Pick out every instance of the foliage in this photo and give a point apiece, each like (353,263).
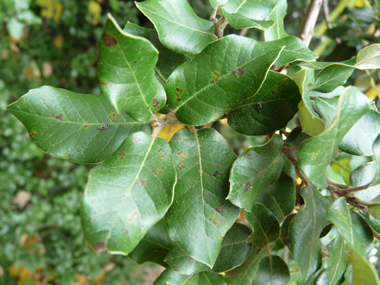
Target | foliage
(309,186)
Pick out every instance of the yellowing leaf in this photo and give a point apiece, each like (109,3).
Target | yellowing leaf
(58,41)
(373,93)
(50,9)
(94,12)
(168,131)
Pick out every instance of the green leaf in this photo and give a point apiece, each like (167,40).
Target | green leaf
(272,270)
(269,110)
(363,270)
(279,198)
(239,21)
(364,174)
(351,227)
(284,235)
(332,77)
(369,57)
(316,153)
(127,194)
(278,14)
(178,27)
(266,228)
(210,278)
(296,137)
(245,274)
(251,9)
(310,122)
(295,50)
(235,248)
(154,246)
(224,74)
(126,72)
(15,28)
(170,276)
(333,274)
(256,168)
(304,232)
(167,60)
(327,107)
(79,127)
(200,216)
(375,210)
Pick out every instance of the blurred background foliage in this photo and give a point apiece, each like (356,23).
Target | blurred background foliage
(53,42)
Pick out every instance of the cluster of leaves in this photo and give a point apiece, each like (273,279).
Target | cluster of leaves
(177,203)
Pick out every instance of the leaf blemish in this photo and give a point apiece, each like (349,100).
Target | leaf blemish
(155,103)
(104,127)
(143,182)
(181,166)
(178,98)
(136,139)
(238,71)
(32,134)
(247,186)
(105,83)
(182,154)
(112,117)
(122,155)
(109,40)
(155,172)
(161,149)
(179,90)
(216,75)
(85,126)
(253,117)
(217,173)
(59,117)
(259,107)
(219,209)
(134,217)
(99,246)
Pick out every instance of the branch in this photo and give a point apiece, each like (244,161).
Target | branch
(220,24)
(288,152)
(160,123)
(309,21)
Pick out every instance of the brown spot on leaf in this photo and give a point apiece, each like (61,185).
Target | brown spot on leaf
(143,182)
(247,186)
(104,127)
(181,166)
(99,246)
(135,61)
(136,139)
(122,155)
(178,98)
(105,83)
(272,91)
(155,172)
(213,220)
(59,117)
(253,117)
(259,107)
(85,126)
(219,209)
(216,77)
(182,153)
(238,71)
(155,103)
(161,149)
(217,173)
(112,117)
(32,134)
(179,90)
(109,40)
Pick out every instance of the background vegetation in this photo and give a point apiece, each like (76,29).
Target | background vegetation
(46,42)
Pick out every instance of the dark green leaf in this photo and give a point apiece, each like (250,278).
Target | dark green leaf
(305,230)
(278,14)
(266,228)
(239,21)
(332,275)
(200,215)
(154,246)
(332,77)
(363,270)
(126,72)
(375,210)
(167,60)
(235,248)
(272,271)
(311,124)
(178,27)
(210,278)
(245,274)
(295,50)
(351,227)
(279,198)
(251,9)
(296,137)
(284,236)
(128,193)
(256,168)
(79,127)
(169,276)
(316,153)
(269,110)
(327,107)
(224,74)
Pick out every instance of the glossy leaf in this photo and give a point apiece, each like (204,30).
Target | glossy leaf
(224,74)
(333,274)
(304,232)
(310,122)
(327,107)
(126,72)
(369,57)
(316,153)
(269,110)
(266,228)
(200,215)
(73,126)
(279,198)
(332,77)
(154,246)
(128,193)
(272,271)
(239,21)
(351,227)
(295,50)
(278,14)
(235,248)
(375,210)
(284,235)
(251,9)
(167,60)
(178,27)
(170,276)
(245,274)
(363,270)
(256,168)
(211,278)
(364,174)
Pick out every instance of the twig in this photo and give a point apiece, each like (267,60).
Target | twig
(309,21)
(288,152)
(220,24)
(268,250)
(243,32)
(326,13)
(375,233)
(160,123)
